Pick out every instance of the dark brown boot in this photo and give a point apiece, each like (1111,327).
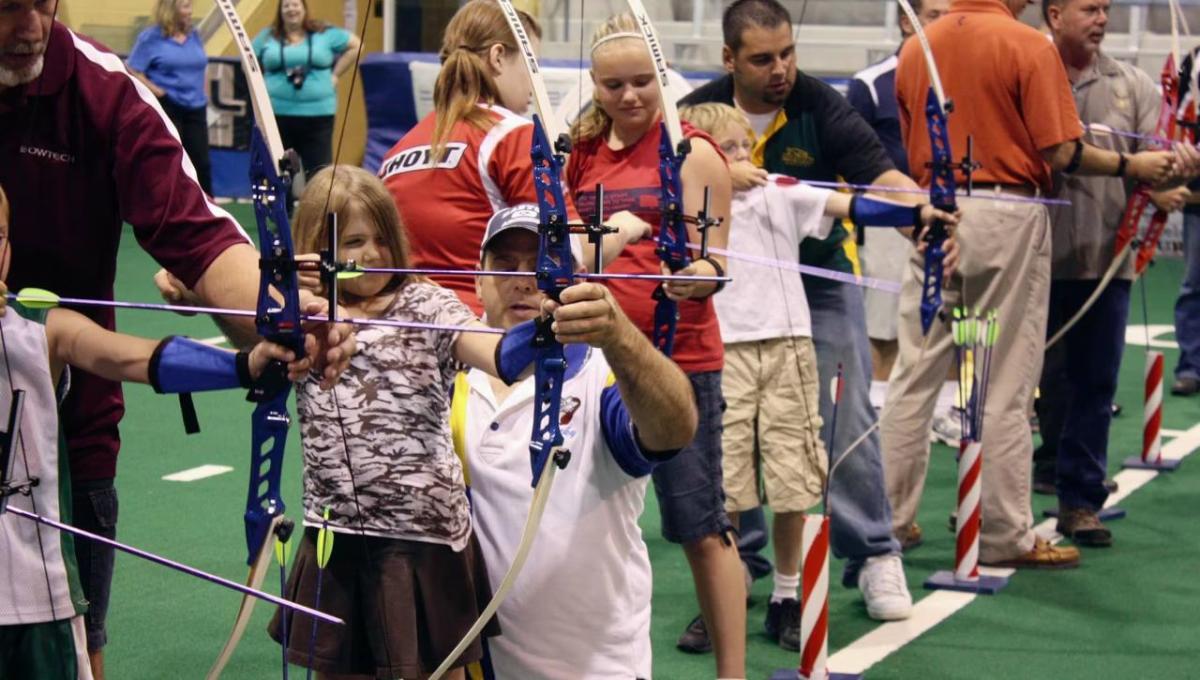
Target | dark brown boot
(1083,527)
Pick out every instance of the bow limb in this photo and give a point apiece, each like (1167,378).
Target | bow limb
(935,79)
(541,100)
(259,566)
(1118,260)
(264,113)
(662,76)
(532,522)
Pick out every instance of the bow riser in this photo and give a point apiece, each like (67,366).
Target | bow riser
(672,248)
(1165,129)
(1170,95)
(1135,208)
(555,272)
(942,191)
(1149,247)
(278,322)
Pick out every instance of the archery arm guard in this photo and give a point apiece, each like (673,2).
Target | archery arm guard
(181,365)
(516,351)
(518,347)
(872,212)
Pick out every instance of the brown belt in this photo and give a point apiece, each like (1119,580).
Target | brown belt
(1026,190)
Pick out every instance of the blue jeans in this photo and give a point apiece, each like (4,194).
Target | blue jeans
(861,524)
(1187,307)
(1079,380)
(94,509)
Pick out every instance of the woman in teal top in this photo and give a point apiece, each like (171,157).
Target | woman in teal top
(302,58)
(169,58)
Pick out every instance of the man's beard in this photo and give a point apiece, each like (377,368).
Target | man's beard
(11,78)
(14,77)
(773,99)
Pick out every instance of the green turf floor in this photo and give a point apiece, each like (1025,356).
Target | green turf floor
(1129,612)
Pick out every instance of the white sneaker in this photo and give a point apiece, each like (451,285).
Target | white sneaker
(947,427)
(884,589)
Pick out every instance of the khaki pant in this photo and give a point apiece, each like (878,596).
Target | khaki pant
(1004,264)
(770,389)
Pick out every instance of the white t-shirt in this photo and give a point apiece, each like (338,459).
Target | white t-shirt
(25,595)
(759,121)
(768,223)
(581,606)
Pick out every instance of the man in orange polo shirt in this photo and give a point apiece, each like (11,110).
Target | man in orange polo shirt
(1012,95)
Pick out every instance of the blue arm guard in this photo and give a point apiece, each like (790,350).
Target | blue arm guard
(872,212)
(516,350)
(181,365)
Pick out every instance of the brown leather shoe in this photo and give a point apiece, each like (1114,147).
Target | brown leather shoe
(1043,556)
(1083,527)
(910,537)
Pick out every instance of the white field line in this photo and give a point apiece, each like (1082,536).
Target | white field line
(938,606)
(197,473)
(215,341)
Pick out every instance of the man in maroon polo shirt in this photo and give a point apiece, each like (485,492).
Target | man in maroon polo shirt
(84,148)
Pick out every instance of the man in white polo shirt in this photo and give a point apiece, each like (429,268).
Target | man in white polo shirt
(581,606)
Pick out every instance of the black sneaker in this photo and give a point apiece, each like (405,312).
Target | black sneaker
(695,639)
(783,623)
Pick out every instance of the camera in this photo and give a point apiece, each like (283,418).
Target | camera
(296,76)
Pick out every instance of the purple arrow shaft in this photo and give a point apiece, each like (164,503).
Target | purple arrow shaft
(177,566)
(191,309)
(984,194)
(592,277)
(832,274)
(392,323)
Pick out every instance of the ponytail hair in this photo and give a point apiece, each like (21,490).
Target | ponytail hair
(465,79)
(595,122)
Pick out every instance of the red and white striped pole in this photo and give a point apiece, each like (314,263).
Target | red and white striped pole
(1152,410)
(966,528)
(814,598)
(1151,457)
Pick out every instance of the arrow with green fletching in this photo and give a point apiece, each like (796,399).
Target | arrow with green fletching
(324,550)
(39,298)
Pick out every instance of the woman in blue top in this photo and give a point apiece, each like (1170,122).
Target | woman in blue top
(169,58)
(302,58)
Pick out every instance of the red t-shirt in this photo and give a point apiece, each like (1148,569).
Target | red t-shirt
(84,148)
(445,208)
(630,179)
